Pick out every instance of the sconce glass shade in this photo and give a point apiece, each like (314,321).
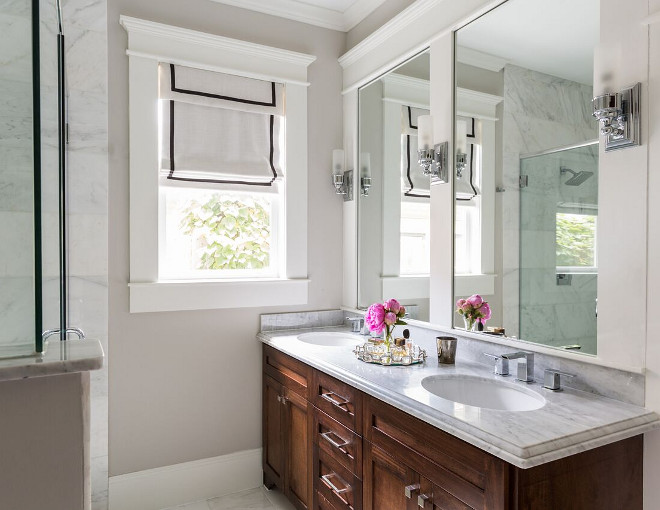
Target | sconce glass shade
(338,162)
(424,132)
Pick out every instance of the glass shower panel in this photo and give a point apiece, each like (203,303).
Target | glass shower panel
(558,247)
(18,285)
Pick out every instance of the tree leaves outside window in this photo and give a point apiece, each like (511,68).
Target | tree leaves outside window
(229,232)
(576,240)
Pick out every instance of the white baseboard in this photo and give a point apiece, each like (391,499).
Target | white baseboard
(155,489)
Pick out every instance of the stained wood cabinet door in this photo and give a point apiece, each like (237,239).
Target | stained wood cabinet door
(297,418)
(388,484)
(273,433)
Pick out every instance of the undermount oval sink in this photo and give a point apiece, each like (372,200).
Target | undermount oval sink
(329,339)
(482,392)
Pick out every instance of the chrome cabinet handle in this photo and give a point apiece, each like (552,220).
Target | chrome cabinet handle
(338,401)
(410,489)
(282,399)
(422,499)
(333,487)
(326,436)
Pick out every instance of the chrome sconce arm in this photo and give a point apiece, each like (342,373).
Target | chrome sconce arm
(434,162)
(619,117)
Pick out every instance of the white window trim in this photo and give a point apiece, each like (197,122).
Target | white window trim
(148,44)
(471,103)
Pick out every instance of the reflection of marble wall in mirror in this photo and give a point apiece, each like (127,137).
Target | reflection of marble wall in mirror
(393,225)
(546,84)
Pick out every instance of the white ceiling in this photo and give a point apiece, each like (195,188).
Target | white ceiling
(556,38)
(335,14)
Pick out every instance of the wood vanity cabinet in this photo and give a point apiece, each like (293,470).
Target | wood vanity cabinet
(356,452)
(287,421)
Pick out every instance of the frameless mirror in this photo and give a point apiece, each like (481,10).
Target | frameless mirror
(526,172)
(394,213)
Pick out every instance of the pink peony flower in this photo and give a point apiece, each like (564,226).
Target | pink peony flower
(374,318)
(460,303)
(390,318)
(475,300)
(402,311)
(485,312)
(467,306)
(392,305)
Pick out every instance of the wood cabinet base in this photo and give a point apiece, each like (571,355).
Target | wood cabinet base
(328,446)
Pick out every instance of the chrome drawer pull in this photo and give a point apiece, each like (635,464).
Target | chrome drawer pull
(410,489)
(422,499)
(338,401)
(326,436)
(333,487)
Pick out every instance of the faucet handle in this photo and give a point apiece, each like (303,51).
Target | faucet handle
(501,364)
(552,379)
(357,323)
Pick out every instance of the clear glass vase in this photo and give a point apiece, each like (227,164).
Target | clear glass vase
(470,324)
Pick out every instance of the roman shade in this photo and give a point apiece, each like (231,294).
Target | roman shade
(219,130)
(414,183)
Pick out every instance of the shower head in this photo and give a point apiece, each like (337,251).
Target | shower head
(578,177)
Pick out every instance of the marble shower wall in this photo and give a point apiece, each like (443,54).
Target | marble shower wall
(540,112)
(16,177)
(85,29)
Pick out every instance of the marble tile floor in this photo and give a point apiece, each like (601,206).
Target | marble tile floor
(253,499)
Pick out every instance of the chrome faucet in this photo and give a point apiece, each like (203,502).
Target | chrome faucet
(76,331)
(357,325)
(525,371)
(501,364)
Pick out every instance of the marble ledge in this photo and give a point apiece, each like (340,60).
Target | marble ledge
(571,421)
(60,358)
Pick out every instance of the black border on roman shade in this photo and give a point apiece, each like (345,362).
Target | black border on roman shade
(411,192)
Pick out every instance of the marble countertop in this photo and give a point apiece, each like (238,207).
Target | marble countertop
(570,422)
(59,358)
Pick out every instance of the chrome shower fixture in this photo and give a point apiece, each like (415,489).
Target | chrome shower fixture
(619,117)
(578,177)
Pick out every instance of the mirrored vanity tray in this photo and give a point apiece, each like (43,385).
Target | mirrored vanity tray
(376,354)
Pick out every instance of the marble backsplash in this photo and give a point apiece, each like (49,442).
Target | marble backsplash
(597,379)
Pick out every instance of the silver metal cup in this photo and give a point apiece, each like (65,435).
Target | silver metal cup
(446,349)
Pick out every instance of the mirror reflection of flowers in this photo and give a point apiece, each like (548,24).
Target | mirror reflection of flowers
(384,316)
(474,310)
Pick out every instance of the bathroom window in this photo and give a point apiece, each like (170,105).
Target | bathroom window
(221,176)
(415,235)
(218,215)
(576,242)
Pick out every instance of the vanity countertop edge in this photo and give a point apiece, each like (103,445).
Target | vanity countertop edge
(59,358)
(493,438)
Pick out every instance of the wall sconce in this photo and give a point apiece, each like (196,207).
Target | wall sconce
(365,173)
(342,179)
(461,147)
(432,158)
(619,117)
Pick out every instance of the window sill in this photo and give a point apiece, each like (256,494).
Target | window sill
(171,296)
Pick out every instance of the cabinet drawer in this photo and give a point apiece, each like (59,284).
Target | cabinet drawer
(322,503)
(341,488)
(338,400)
(471,476)
(288,371)
(338,442)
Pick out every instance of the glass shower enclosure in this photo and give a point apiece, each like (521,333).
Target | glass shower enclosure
(558,247)
(32,175)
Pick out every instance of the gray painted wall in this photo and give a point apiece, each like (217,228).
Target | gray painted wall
(375,20)
(187,385)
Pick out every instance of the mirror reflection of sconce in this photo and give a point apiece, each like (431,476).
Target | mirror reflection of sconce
(365,173)
(461,148)
(341,179)
(619,117)
(432,158)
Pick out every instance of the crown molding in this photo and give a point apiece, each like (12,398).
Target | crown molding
(216,42)
(404,19)
(310,14)
(479,59)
